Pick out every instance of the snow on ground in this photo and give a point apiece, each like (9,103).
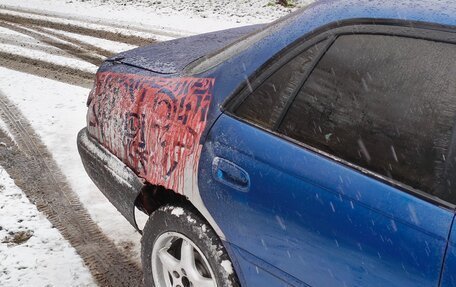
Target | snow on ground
(238,10)
(56,112)
(32,252)
(179,16)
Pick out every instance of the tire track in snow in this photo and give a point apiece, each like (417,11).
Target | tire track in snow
(86,46)
(28,43)
(74,50)
(171,33)
(34,170)
(46,69)
(98,33)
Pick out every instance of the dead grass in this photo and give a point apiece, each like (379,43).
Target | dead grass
(17,238)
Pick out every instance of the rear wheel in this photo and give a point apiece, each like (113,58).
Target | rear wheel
(179,249)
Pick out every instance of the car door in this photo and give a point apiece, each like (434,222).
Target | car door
(334,170)
(449,268)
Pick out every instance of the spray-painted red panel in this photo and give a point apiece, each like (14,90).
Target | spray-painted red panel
(154,125)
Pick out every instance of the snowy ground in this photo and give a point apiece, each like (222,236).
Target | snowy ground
(187,15)
(32,252)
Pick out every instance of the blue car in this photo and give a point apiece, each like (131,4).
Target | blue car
(318,150)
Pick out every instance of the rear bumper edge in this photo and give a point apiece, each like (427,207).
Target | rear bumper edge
(115,180)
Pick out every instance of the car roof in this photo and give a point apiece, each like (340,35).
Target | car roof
(281,33)
(442,12)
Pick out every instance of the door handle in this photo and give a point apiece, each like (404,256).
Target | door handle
(230,174)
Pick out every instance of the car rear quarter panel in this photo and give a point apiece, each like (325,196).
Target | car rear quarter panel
(153,124)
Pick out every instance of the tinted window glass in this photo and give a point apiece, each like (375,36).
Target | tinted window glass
(383,103)
(265,105)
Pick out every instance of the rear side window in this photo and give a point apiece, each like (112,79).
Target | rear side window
(384,103)
(265,105)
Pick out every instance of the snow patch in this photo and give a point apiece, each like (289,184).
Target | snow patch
(227,266)
(191,220)
(177,211)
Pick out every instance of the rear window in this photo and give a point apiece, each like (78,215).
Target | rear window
(207,62)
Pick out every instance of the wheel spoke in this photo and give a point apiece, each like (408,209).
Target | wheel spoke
(187,256)
(203,282)
(189,264)
(170,263)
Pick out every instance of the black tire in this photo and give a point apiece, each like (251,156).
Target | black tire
(185,221)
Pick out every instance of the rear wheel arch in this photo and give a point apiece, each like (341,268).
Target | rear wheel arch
(152,197)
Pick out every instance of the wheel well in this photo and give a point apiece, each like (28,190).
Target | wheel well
(152,197)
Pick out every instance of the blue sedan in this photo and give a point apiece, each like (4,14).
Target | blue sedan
(318,150)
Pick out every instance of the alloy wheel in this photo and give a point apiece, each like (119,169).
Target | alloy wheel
(178,262)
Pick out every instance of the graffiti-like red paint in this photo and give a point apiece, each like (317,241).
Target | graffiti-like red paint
(154,125)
